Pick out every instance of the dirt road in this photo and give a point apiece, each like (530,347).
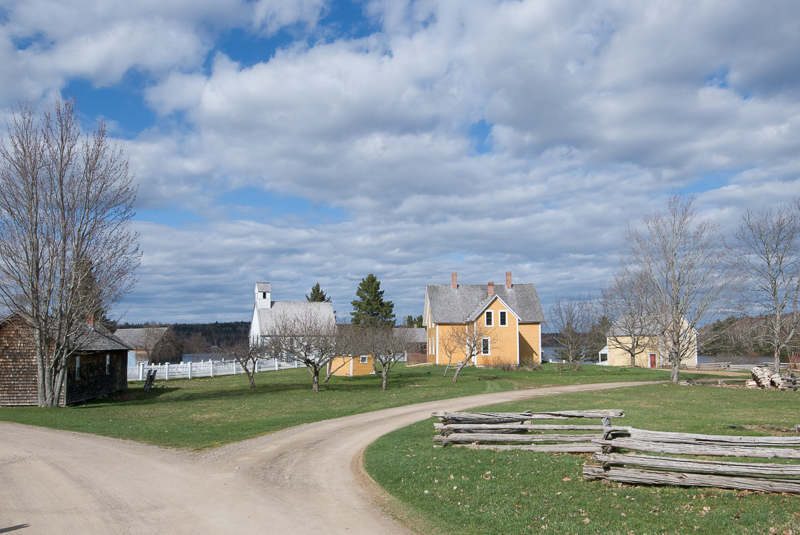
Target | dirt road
(303,480)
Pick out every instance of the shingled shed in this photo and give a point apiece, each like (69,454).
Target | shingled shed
(97,368)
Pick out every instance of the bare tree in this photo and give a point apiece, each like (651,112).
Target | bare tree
(625,303)
(686,272)
(572,320)
(245,354)
(467,341)
(767,248)
(306,337)
(386,344)
(66,248)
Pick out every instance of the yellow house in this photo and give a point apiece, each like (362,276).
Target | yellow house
(352,366)
(652,349)
(504,322)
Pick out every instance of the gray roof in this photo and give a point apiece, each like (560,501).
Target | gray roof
(143,338)
(322,312)
(415,334)
(458,305)
(262,287)
(100,339)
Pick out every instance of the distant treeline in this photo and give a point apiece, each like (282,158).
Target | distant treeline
(213,334)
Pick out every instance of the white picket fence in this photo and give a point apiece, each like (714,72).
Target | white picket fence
(209,368)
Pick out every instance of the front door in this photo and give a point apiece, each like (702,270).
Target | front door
(652,360)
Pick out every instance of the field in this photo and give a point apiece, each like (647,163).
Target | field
(203,413)
(459,491)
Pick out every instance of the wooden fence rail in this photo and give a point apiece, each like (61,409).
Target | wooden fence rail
(652,470)
(503,431)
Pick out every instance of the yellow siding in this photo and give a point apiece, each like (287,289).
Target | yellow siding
(355,362)
(617,356)
(503,346)
(530,339)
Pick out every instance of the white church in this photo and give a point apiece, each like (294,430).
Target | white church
(266,312)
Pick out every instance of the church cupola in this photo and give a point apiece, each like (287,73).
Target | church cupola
(263,296)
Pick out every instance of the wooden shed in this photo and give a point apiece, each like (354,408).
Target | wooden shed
(97,368)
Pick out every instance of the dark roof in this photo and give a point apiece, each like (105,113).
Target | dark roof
(88,338)
(458,305)
(98,338)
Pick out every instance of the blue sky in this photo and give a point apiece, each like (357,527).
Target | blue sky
(304,141)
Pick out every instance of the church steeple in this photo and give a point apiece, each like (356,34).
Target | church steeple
(263,295)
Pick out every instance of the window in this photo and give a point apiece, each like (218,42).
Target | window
(503,318)
(108,364)
(77,368)
(485,346)
(364,359)
(489,319)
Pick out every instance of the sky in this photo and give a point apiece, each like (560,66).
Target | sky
(304,141)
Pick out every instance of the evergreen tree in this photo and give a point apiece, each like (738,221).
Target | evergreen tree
(411,321)
(317,295)
(370,308)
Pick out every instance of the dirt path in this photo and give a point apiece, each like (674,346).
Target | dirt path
(303,480)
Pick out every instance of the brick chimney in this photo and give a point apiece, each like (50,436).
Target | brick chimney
(90,320)
(454,280)
(491,289)
(508,280)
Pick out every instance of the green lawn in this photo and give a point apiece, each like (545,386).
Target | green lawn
(203,413)
(459,491)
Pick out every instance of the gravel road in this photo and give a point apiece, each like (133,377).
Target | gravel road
(303,480)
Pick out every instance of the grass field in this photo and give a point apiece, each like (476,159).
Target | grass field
(203,413)
(459,491)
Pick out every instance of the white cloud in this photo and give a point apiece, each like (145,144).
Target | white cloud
(597,111)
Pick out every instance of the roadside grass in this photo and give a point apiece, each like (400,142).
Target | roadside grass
(459,491)
(197,414)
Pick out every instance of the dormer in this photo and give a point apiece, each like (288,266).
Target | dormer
(263,295)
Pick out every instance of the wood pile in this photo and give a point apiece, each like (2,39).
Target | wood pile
(766,378)
(634,468)
(522,431)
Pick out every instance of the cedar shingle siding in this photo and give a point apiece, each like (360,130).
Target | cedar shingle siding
(18,368)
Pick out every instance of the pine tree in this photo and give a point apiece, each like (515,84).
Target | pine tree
(317,295)
(370,308)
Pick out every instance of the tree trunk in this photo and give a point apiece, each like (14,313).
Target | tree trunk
(777,359)
(315,381)
(676,366)
(384,374)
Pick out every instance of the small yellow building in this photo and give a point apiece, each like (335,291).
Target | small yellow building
(352,366)
(651,351)
(507,318)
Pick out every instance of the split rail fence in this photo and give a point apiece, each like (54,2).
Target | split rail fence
(210,368)
(651,470)
(523,431)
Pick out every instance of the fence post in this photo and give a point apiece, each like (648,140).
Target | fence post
(234,367)
(211,366)
(276,364)
(190,370)
(141,371)
(166,373)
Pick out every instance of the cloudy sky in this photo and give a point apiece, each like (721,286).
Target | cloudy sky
(296,141)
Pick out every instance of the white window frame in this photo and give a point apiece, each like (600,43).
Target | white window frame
(363,359)
(486,346)
(502,318)
(108,364)
(488,318)
(77,368)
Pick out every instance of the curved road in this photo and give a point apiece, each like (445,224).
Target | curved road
(303,480)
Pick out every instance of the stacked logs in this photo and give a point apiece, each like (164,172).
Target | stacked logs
(522,431)
(652,470)
(765,378)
